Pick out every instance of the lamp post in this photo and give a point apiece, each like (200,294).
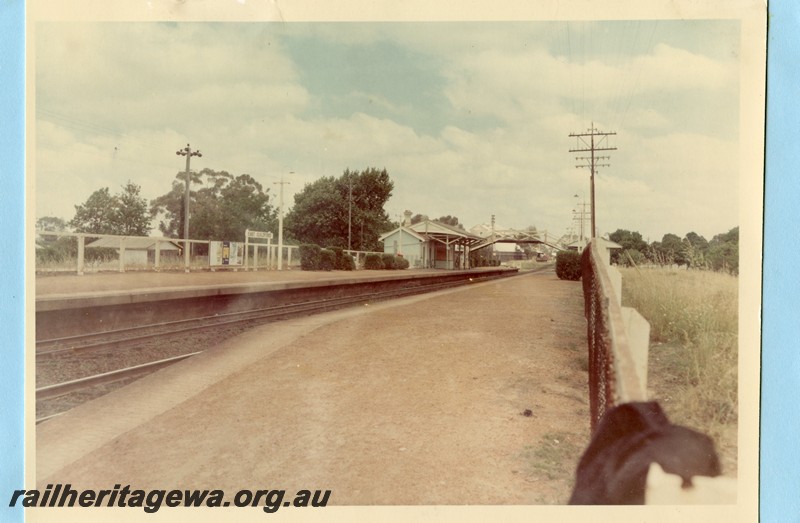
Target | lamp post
(350,211)
(188,153)
(280,223)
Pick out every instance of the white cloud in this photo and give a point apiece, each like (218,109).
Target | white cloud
(234,93)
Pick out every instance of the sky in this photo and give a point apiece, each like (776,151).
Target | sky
(470,119)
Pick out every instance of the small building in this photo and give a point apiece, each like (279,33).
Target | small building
(430,244)
(137,250)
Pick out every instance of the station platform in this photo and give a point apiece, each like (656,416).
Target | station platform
(470,396)
(106,282)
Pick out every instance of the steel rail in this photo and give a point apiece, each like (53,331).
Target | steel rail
(61,389)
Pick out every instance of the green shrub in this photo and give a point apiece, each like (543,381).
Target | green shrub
(339,257)
(327,260)
(389,261)
(568,265)
(400,262)
(373,261)
(310,256)
(348,263)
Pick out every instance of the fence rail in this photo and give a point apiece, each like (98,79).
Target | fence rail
(618,336)
(154,253)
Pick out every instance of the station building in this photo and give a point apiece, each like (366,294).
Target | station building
(430,244)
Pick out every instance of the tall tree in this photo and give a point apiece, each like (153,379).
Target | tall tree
(695,250)
(222,209)
(672,249)
(328,211)
(131,215)
(723,251)
(105,213)
(96,214)
(630,241)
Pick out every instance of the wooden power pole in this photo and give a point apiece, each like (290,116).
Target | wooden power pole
(588,144)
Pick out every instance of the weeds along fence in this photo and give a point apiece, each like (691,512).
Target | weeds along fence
(79,253)
(618,336)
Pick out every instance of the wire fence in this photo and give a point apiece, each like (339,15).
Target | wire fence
(618,337)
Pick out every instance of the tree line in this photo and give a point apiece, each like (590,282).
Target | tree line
(721,253)
(345,211)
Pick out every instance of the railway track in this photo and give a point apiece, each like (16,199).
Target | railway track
(75,369)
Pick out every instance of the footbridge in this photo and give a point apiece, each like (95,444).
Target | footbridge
(516,236)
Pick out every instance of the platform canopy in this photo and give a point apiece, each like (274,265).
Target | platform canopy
(444,233)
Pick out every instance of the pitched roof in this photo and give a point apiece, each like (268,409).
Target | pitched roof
(433,227)
(406,230)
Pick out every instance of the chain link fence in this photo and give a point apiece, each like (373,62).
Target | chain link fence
(618,337)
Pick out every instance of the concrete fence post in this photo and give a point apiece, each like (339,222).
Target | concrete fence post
(122,254)
(80,254)
(638,330)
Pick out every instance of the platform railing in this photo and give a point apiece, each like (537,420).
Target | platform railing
(618,337)
(161,254)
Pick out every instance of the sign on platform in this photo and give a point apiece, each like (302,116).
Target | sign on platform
(258,234)
(225,253)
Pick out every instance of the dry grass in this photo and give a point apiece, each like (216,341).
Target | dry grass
(693,317)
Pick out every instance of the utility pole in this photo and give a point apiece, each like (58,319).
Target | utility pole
(592,146)
(188,153)
(280,223)
(580,216)
(350,212)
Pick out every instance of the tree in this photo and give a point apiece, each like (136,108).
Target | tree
(96,214)
(131,216)
(122,214)
(222,209)
(695,250)
(630,241)
(51,224)
(671,250)
(450,220)
(320,212)
(723,251)
(50,247)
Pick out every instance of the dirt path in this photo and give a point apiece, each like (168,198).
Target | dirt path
(419,401)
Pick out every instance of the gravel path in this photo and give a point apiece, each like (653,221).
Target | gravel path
(470,396)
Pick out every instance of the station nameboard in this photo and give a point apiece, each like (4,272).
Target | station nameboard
(258,234)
